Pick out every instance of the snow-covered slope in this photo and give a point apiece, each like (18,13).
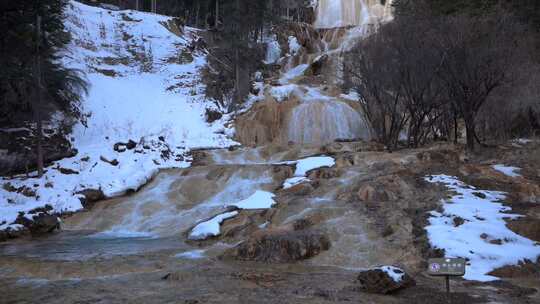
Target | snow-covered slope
(145,87)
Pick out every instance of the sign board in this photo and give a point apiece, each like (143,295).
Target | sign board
(446,267)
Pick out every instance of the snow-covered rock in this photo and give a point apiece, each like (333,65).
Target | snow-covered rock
(384,279)
(211,227)
(303,166)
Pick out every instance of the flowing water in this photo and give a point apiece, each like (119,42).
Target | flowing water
(325,121)
(146,232)
(334,14)
(323,117)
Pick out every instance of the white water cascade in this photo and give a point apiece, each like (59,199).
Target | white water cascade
(325,121)
(324,117)
(345,13)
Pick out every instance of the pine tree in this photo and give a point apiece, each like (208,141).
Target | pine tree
(33,82)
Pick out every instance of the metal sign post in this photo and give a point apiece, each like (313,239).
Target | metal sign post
(447,267)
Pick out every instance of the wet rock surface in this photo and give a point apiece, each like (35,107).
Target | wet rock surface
(280,246)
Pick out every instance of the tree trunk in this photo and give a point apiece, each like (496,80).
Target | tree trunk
(217,15)
(469,127)
(197,14)
(37,99)
(237,77)
(237,61)
(455,129)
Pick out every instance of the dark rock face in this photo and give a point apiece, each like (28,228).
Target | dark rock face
(383,280)
(280,246)
(42,222)
(316,66)
(17,153)
(90,197)
(212,115)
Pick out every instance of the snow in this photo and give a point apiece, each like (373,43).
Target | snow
(303,166)
(307,164)
(258,200)
(138,91)
(211,227)
(478,238)
(507,170)
(523,141)
(393,272)
(284,92)
(191,255)
(293,181)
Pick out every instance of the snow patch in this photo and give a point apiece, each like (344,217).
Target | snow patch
(258,200)
(307,164)
(211,227)
(393,272)
(507,170)
(483,237)
(284,92)
(303,166)
(293,181)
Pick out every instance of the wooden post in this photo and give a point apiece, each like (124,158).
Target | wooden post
(37,98)
(136,5)
(448,288)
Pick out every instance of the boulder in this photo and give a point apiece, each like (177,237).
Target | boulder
(384,280)
(41,223)
(131,144)
(90,197)
(212,115)
(119,147)
(278,246)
